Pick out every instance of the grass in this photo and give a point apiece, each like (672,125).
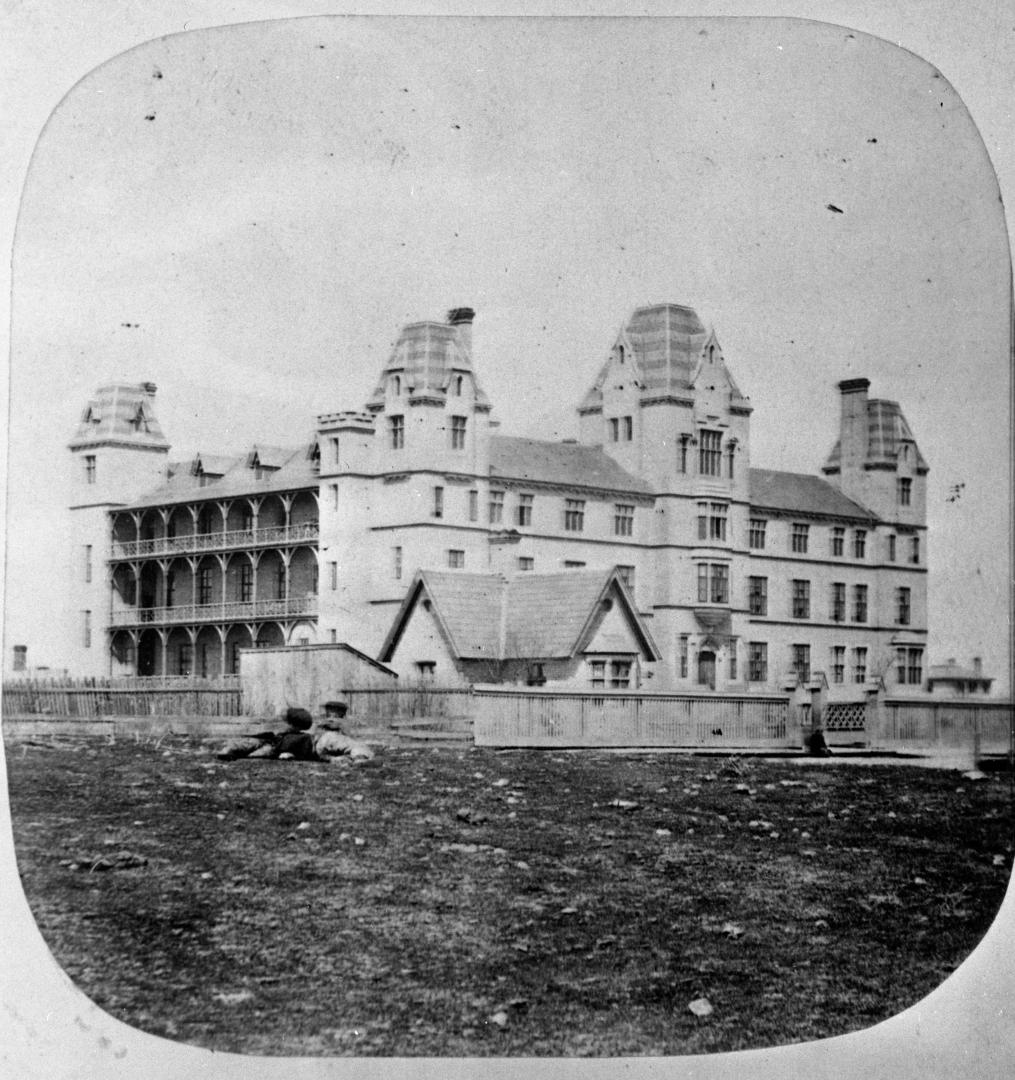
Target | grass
(469,902)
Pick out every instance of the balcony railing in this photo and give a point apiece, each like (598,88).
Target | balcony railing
(230,611)
(274,536)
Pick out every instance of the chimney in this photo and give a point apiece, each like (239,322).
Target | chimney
(149,388)
(461,318)
(853,436)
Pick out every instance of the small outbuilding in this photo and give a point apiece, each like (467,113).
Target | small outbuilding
(953,680)
(579,629)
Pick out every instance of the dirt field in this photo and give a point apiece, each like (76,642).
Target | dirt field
(447,902)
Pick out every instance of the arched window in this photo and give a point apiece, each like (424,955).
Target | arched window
(459,380)
(396,385)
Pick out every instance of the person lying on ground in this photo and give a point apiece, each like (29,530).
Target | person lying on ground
(332,742)
(293,744)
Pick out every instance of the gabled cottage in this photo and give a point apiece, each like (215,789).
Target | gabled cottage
(576,628)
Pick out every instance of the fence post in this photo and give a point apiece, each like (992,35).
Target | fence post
(872,726)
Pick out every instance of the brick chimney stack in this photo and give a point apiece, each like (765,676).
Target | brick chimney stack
(461,318)
(853,424)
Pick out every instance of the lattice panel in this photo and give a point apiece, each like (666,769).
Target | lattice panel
(846,716)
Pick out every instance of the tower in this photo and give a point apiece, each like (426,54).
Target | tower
(667,408)
(117,453)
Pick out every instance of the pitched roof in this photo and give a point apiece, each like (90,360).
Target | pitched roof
(121,412)
(953,671)
(803,494)
(238,478)
(667,342)
(425,356)
(886,431)
(530,616)
(566,464)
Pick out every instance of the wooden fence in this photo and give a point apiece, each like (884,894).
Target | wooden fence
(979,726)
(96,698)
(549,718)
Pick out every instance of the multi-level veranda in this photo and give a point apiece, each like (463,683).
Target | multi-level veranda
(196,582)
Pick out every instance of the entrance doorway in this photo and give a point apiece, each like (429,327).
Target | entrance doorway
(706,669)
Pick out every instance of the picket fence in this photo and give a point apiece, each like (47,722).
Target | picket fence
(133,697)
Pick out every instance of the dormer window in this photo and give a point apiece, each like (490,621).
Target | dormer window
(620,354)
(458,383)
(139,422)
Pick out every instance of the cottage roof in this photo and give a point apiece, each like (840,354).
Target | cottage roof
(121,413)
(887,433)
(803,494)
(426,357)
(955,672)
(530,616)
(564,464)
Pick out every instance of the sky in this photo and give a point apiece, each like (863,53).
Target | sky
(247,215)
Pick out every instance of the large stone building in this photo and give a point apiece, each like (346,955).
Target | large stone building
(696,569)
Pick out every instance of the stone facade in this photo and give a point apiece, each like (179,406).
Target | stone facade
(744,578)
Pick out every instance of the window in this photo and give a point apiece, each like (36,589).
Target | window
(614,429)
(859,603)
(458,383)
(473,505)
(838,611)
(838,541)
(204,585)
(756,534)
(733,662)
(280,581)
(802,662)
(458,432)
(682,453)
(574,515)
(20,657)
(334,497)
(496,507)
(859,543)
(902,606)
(682,650)
(185,658)
(597,673)
(757,661)
(712,521)
(438,502)
(914,549)
(333,575)
(838,663)
(170,588)
(202,659)
(526,562)
(891,548)
(396,563)
(914,667)
(396,385)
(88,562)
(573,564)
(333,637)
(620,674)
(713,583)
(86,629)
(623,519)
(525,510)
(335,456)
(757,595)
(246,582)
(628,423)
(730,450)
(234,658)
(535,675)
(859,665)
(396,432)
(904,488)
(801,599)
(456,559)
(710,453)
(626,575)
(798,538)
(90,469)
(425,670)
